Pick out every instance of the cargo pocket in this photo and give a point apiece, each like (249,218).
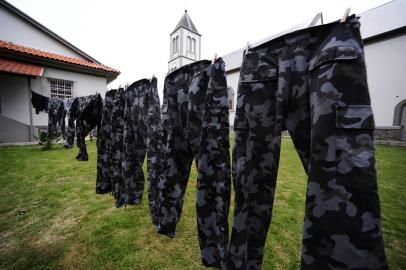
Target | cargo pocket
(258,67)
(332,55)
(354,143)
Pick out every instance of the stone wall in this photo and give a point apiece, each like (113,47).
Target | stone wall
(388,133)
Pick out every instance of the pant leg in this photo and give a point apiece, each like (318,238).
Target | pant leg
(70,131)
(116,149)
(103,178)
(80,140)
(342,227)
(52,119)
(154,149)
(62,122)
(257,128)
(213,183)
(177,154)
(134,146)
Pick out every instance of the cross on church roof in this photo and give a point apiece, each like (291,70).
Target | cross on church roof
(186,23)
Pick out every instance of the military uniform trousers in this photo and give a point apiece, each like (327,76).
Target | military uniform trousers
(130,130)
(104,139)
(312,83)
(89,116)
(141,138)
(196,127)
(56,118)
(71,109)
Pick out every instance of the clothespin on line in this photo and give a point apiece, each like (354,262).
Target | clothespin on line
(215,57)
(346,13)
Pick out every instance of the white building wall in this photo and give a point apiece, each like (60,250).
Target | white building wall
(14,97)
(183,56)
(232,81)
(386,69)
(17,30)
(83,85)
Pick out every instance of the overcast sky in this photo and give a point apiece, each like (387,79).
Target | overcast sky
(133,36)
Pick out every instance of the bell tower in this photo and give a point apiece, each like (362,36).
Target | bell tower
(185,46)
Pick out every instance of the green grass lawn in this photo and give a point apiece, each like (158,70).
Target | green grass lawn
(51,218)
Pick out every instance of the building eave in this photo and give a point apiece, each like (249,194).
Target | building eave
(50,33)
(110,76)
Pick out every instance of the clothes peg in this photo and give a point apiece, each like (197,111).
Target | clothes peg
(247,48)
(346,13)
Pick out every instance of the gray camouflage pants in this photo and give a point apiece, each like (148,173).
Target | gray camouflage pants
(104,139)
(56,118)
(71,110)
(130,129)
(141,137)
(195,127)
(313,84)
(89,116)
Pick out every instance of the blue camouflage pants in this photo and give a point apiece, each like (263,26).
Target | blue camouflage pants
(312,83)
(56,118)
(130,130)
(195,127)
(89,116)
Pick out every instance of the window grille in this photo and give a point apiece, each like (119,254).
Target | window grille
(60,88)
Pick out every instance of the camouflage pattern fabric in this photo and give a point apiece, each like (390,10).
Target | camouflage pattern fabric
(56,119)
(134,142)
(89,116)
(71,111)
(141,137)
(104,139)
(195,127)
(312,83)
(116,148)
(152,112)
(130,130)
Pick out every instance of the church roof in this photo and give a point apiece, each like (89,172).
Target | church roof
(186,23)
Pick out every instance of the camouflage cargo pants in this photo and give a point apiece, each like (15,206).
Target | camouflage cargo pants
(56,119)
(104,139)
(312,83)
(141,137)
(71,109)
(152,111)
(115,151)
(89,116)
(195,127)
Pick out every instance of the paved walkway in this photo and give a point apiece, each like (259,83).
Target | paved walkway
(392,143)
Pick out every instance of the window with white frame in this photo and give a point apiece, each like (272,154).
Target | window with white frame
(60,88)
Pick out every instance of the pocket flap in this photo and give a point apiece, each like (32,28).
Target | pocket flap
(255,69)
(332,54)
(355,117)
(240,121)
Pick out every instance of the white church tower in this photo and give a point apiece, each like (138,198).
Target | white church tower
(185,44)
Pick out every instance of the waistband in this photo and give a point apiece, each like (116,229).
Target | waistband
(189,68)
(137,83)
(111,93)
(307,35)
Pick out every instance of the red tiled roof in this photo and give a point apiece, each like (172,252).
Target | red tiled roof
(30,51)
(20,68)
